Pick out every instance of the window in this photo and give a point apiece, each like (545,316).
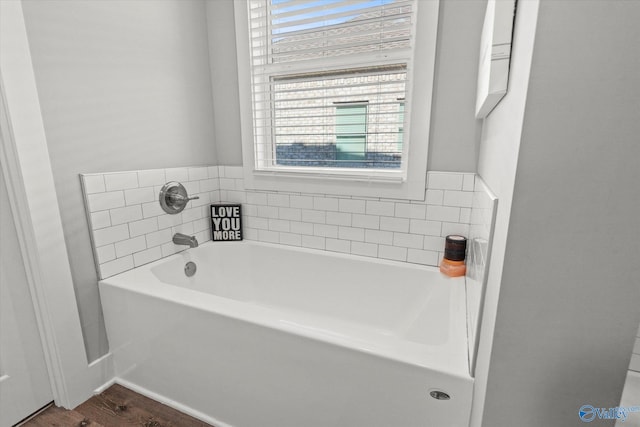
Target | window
(324,80)
(351,134)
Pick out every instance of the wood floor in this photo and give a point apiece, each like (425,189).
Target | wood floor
(115,407)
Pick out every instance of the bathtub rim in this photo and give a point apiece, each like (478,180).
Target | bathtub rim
(450,358)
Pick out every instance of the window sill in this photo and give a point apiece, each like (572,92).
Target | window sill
(391,184)
(365,175)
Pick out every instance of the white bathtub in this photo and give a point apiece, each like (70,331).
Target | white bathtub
(271,336)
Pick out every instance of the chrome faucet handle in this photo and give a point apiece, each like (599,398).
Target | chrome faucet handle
(177,197)
(174,198)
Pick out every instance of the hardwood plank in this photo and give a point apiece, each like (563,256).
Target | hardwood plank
(60,417)
(160,410)
(118,406)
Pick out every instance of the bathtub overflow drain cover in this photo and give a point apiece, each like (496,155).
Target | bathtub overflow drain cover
(440,395)
(190,268)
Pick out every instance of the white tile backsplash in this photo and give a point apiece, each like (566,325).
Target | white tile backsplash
(106,253)
(434,197)
(105,236)
(380,208)
(279,225)
(100,219)
(151,177)
(443,213)
(351,233)
(129,228)
(408,240)
(339,218)
(394,253)
(196,174)
(275,199)
(324,230)
(325,203)
(445,181)
(121,181)
(365,221)
(378,236)
(410,210)
(394,224)
(290,239)
(104,201)
(158,238)
(411,231)
(301,202)
(468,182)
(268,236)
(124,215)
(267,211)
(458,198)
(364,249)
(142,227)
(147,256)
(168,221)
(176,174)
(420,226)
(94,184)
(130,246)
(352,206)
(313,242)
(301,227)
(480,227)
(310,215)
(337,245)
(418,256)
(116,266)
(136,196)
(291,214)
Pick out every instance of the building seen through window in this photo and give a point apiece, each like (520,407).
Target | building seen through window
(329,82)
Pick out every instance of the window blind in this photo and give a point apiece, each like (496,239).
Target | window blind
(317,65)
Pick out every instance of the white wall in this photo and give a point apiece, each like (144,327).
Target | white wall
(455,132)
(497,166)
(224,81)
(563,326)
(123,85)
(635,357)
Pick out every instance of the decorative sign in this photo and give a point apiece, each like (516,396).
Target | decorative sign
(226,223)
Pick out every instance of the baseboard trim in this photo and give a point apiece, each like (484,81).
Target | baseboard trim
(171,403)
(104,386)
(102,373)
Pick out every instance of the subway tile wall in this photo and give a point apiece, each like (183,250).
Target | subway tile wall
(129,228)
(375,227)
(483,211)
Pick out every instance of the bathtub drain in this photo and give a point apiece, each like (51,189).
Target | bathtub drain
(440,395)
(190,268)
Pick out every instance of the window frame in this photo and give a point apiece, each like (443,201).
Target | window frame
(407,183)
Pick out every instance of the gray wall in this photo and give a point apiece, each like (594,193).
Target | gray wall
(123,85)
(455,133)
(224,81)
(497,165)
(568,311)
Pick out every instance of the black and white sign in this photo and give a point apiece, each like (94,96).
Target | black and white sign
(226,223)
